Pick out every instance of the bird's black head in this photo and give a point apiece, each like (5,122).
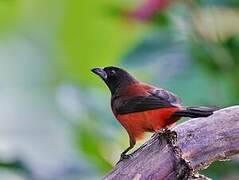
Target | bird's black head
(114,77)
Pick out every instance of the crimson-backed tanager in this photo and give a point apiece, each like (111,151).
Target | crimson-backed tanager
(141,108)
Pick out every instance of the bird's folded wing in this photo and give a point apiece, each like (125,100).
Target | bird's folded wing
(156,98)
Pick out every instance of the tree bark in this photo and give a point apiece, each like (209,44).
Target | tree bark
(197,144)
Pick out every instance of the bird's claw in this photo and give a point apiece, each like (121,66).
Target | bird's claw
(123,157)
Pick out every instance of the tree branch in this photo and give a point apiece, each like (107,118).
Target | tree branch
(199,142)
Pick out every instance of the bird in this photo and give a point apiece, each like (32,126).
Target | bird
(141,108)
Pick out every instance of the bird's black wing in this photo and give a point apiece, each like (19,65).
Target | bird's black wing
(155,99)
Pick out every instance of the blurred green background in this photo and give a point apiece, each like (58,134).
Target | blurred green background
(55,114)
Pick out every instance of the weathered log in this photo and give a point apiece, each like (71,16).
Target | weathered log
(199,142)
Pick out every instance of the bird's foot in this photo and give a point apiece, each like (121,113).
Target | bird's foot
(123,157)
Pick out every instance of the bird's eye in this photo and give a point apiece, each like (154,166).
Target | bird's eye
(112,72)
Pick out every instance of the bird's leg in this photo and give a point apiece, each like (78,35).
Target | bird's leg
(131,145)
(123,154)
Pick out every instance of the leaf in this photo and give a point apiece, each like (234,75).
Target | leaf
(8,14)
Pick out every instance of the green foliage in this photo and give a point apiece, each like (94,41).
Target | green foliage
(8,14)
(91,143)
(221,169)
(229,3)
(91,37)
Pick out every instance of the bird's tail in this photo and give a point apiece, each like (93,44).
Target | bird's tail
(195,112)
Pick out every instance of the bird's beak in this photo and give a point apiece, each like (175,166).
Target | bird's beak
(100,72)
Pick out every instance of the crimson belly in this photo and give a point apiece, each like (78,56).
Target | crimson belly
(147,121)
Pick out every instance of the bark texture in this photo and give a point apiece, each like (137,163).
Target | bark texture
(180,155)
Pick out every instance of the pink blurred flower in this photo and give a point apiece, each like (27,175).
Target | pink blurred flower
(148,9)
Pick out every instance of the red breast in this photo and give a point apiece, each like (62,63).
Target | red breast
(147,121)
